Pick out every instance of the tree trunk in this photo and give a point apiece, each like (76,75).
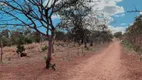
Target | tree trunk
(91,43)
(53,39)
(1,51)
(53,47)
(48,60)
(85,43)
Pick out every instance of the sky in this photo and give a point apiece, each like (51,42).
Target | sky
(118,19)
(117,13)
(125,19)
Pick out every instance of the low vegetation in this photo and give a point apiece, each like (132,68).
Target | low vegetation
(133,36)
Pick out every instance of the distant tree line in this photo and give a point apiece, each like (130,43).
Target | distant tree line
(27,36)
(91,37)
(118,34)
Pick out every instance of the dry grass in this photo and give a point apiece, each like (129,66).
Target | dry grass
(60,48)
(32,67)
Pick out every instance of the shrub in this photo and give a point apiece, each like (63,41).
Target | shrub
(127,44)
(28,40)
(44,48)
(20,45)
(20,49)
(52,66)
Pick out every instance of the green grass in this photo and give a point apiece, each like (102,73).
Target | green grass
(131,47)
(127,45)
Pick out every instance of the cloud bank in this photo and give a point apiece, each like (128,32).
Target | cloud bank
(109,8)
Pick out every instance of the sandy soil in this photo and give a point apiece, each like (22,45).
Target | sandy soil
(104,66)
(133,62)
(111,63)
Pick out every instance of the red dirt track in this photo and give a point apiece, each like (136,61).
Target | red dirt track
(112,63)
(105,66)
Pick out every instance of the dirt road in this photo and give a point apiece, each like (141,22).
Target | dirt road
(104,66)
(112,63)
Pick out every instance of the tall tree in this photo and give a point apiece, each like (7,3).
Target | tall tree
(74,17)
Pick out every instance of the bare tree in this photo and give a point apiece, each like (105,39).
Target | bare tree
(35,14)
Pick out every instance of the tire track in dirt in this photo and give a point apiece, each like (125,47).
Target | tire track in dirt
(104,66)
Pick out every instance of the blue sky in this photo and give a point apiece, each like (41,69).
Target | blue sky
(127,18)
(116,12)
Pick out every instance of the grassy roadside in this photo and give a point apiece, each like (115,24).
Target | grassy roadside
(132,49)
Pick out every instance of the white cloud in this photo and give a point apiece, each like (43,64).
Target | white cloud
(119,15)
(48,3)
(2,4)
(141,13)
(108,8)
(116,29)
(55,17)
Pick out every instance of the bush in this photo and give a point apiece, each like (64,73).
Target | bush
(20,45)
(5,41)
(20,49)
(127,44)
(118,34)
(28,40)
(132,47)
(44,48)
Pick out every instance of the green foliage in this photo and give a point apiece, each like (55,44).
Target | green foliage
(20,49)
(5,41)
(101,37)
(118,34)
(20,45)
(45,58)
(133,35)
(127,44)
(35,37)
(44,48)
(28,40)
(61,36)
(26,36)
(52,66)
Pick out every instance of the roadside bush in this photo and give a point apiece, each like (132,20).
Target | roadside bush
(127,44)
(130,46)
